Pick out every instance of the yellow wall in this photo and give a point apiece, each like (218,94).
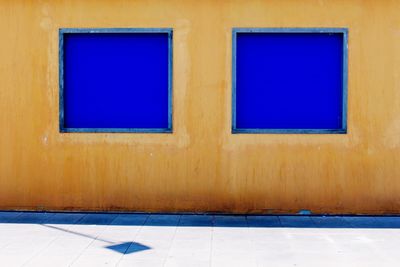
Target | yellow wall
(201,166)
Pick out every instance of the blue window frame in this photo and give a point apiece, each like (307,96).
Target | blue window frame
(289,80)
(115,80)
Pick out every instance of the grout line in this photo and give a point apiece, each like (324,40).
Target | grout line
(172,241)
(279,220)
(8,222)
(45,246)
(17,215)
(40,251)
(84,216)
(46,215)
(51,242)
(94,239)
(252,243)
(212,239)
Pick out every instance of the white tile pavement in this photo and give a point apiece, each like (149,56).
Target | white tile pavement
(98,239)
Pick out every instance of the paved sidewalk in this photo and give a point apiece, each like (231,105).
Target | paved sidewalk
(90,239)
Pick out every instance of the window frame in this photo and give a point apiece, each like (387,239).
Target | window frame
(343,31)
(64,31)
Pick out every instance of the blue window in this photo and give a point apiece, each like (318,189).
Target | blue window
(116,80)
(289,80)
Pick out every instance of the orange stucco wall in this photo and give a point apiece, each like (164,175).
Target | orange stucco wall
(201,166)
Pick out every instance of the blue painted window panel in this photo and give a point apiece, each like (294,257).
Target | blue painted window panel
(289,80)
(116,80)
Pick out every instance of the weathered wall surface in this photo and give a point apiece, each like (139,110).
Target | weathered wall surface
(201,166)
